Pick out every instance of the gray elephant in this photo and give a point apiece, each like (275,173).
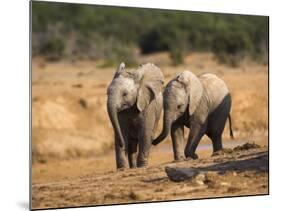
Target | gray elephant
(134,106)
(200,103)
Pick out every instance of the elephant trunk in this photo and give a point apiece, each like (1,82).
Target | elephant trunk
(113,115)
(165,131)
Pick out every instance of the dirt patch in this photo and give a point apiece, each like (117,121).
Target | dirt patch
(52,115)
(247,146)
(243,172)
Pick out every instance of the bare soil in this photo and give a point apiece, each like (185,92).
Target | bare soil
(242,171)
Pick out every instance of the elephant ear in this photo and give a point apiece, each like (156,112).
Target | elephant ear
(151,81)
(119,69)
(194,87)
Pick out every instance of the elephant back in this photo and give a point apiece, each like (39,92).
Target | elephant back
(215,88)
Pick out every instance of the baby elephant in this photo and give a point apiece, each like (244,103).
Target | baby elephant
(200,103)
(134,106)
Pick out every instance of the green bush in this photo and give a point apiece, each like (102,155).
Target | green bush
(231,46)
(176,55)
(115,52)
(94,31)
(53,49)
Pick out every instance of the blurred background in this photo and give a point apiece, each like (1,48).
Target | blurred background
(75,52)
(73,31)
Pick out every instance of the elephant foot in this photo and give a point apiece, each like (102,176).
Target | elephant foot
(222,152)
(133,166)
(217,153)
(191,157)
(121,169)
(121,166)
(188,159)
(179,159)
(142,163)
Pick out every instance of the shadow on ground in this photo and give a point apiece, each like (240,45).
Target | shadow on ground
(258,163)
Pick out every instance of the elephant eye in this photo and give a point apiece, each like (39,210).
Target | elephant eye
(125,94)
(179,106)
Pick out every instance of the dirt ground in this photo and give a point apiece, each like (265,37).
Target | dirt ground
(241,172)
(73,160)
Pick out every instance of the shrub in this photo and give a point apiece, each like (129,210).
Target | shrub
(115,52)
(231,46)
(53,49)
(87,32)
(176,55)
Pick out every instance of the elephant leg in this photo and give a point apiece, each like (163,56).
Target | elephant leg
(195,134)
(177,133)
(217,143)
(144,147)
(217,125)
(145,137)
(119,155)
(132,153)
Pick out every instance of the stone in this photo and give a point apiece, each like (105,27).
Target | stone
(200,179)
(225,184)
(180,174)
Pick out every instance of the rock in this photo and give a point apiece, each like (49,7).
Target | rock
(225,184)
(77,86)
(200,179)
(180,174)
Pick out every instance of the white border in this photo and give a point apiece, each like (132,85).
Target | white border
(14,110)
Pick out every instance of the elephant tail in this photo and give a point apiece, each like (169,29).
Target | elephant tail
(230,127)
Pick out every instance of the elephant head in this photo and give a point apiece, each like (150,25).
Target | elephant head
(182,94)
(133,87)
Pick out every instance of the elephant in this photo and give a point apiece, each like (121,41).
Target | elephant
(202,104)
(134,105)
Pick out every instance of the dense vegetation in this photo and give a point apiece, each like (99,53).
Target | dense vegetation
(62,30)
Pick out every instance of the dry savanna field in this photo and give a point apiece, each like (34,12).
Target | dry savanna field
(73,161)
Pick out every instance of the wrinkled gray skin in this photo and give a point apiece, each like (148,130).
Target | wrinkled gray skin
(200,103)
(134,106)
